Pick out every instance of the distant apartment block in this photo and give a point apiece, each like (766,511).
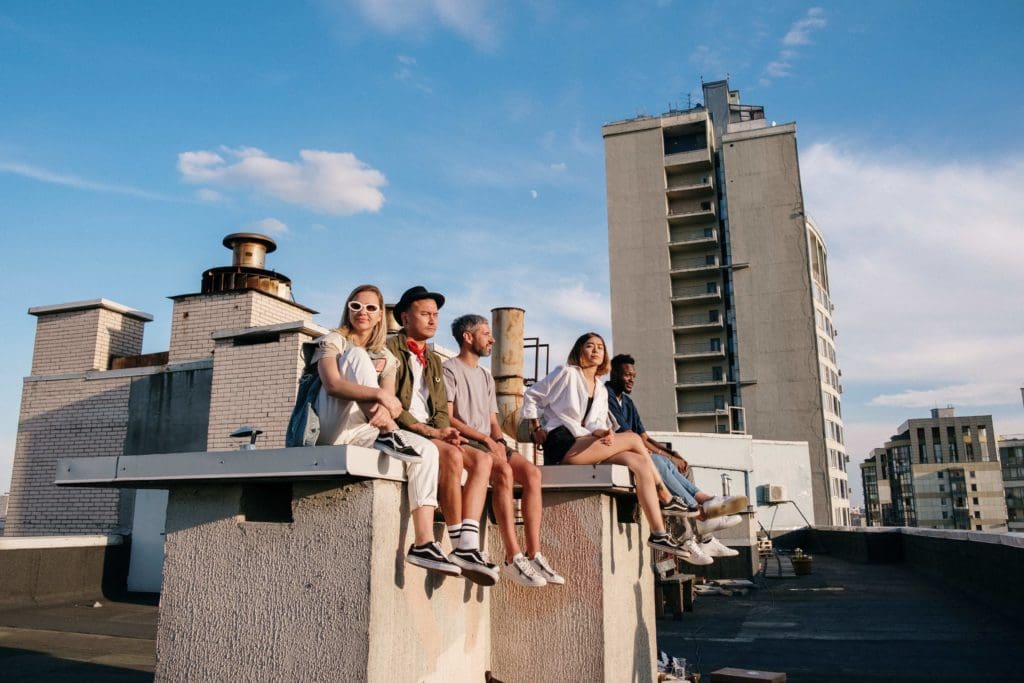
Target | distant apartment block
(940,472)
(719,283)
(234,358)
(1011,456)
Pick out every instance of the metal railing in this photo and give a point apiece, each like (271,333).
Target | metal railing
(694,263)
(708,319)
(706,347)
(694,290)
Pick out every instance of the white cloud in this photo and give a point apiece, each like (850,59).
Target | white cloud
(559,167)
(208,195)
(67,180)
(800,32)
(533,193)
(972,394)
(471,19)
(407,60)
(329,182)
(924,264)
(269,226)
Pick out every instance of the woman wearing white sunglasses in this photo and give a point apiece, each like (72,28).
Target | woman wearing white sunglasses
(357,406)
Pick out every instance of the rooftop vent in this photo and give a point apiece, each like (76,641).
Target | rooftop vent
(247,270)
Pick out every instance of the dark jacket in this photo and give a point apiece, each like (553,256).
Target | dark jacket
(432,375)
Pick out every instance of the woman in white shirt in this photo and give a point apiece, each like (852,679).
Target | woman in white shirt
(568,416)
(357,405)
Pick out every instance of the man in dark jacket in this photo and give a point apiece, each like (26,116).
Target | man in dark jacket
(420,388)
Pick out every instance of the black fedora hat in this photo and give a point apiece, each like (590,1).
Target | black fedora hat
(415,294)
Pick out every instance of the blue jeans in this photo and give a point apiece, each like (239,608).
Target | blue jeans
(677,484)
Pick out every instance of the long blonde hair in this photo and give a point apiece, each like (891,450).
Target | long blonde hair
(380,331)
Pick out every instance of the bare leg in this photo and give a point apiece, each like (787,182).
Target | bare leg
(528,476)
(588,451)
(478,472)
(501,501)
(449,481)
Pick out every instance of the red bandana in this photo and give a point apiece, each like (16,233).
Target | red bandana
(420,351)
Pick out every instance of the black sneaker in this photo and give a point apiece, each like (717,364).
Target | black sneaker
(676,507)
(667,544)
(431,557)
(475,567)
(391,443)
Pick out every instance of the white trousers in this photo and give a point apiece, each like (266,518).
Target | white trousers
(343,422)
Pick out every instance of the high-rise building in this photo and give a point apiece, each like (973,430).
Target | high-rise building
(939,472)
(1011,456)
(719,283)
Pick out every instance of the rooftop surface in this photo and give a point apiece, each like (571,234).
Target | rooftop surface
(845,622)
(848,622)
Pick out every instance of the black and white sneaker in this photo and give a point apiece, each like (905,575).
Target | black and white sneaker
(540,563)
(667,544)
(676,507)
(475,567)
(431,557)
(391,443)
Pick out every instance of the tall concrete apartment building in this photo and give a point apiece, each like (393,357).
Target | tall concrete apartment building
(719,283)
(1011,456)
(234,359)
(940,472)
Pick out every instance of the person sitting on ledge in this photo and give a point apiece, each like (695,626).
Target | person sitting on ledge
(473,406)
(357,405)
(568,417)
(420,389)
(713,512)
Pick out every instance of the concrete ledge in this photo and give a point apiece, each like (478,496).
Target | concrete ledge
(27,542)
(39,571)
(88,304)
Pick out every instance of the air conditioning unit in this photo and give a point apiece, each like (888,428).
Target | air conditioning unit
(774,493)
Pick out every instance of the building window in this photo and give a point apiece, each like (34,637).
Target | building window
(942,487)
(975,501)
(977,514)
(974,487)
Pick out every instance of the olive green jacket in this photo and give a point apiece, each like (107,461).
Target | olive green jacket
(432,375)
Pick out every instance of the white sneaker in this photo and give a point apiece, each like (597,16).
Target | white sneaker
(724,505)
(712,547)
(692,553)
(706,527)
(522,572)
(540,563)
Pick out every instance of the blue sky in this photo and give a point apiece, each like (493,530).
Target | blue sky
(133,136)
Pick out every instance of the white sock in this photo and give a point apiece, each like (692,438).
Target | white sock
(469,539)
(454,532)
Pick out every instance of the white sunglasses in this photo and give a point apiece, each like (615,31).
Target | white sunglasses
(356,306)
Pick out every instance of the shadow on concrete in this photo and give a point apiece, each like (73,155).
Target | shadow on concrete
(19,665)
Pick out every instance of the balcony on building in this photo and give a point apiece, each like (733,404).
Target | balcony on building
(703,378)
(686,186)
(685,239)
(696,214)
(689,294)
(687,148)
(711,348)
(712,320)
(694,409)
(694,265)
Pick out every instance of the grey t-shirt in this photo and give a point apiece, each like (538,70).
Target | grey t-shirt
(472,392)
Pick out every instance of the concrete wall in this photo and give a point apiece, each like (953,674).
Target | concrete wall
(639,265)
(317,598)
(777,348)
(608,598)
(986,566)
(39,571)
(751,464)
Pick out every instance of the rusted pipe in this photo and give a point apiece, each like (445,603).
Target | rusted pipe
(507,325)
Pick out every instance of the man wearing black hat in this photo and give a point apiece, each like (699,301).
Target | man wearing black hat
(420,388)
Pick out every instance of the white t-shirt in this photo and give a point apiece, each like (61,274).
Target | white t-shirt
(419,403)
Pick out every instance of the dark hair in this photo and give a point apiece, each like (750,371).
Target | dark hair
(466,323)
(577,350)
(622,359)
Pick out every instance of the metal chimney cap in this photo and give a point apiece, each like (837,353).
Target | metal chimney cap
(254,237)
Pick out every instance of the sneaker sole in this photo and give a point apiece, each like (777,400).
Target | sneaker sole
(695,561)
(475,574)
(446,568)
(526,584)
(721,554)
(730,507)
